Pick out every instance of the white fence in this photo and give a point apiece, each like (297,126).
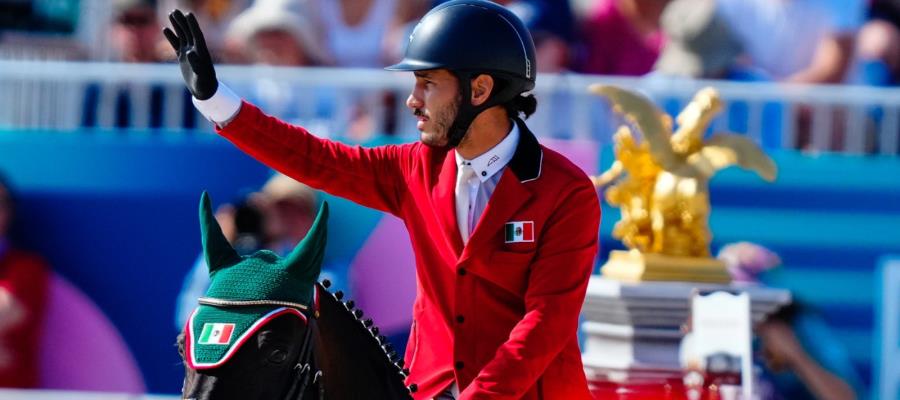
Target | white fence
(351,102)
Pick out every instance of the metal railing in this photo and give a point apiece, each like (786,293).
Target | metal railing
(69,96)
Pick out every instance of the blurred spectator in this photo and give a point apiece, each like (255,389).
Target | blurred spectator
(215,16)
(135,35)
(622,37)
(288,208)
(367,34)
(878,45)
(135,32)
(281,214)
(802,358)
(700,44)
(277,32)
(802,41)
(747,261)
(282,33)
(356,32)
(23,291)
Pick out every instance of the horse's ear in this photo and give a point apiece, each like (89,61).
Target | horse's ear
(216,248)
(306,259)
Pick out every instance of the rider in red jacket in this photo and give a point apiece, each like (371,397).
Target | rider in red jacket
(504,230)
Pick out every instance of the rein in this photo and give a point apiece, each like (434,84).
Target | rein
(304,364)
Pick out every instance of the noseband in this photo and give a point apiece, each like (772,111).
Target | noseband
(305,369)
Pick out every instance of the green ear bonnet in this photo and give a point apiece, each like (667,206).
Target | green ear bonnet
(246,292)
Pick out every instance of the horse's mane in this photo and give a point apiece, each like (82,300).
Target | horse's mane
(356,360)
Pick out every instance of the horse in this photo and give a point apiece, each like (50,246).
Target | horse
(266,329)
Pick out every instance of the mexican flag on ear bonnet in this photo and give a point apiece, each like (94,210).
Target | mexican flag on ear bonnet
(231,311)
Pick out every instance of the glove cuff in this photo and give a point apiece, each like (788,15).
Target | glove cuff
(222,107)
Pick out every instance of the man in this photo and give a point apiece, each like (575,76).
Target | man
(622,37)
(504,230)
(796,41)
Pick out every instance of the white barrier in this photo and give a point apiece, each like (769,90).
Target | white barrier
(51,95)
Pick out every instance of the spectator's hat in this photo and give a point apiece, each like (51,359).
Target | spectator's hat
(292,16)
(282,188)
(699,41)
(247,292)
(747,261)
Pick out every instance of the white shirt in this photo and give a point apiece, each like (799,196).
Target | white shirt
(476,180)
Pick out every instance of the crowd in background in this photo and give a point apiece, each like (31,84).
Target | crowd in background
(806,41)
(792,41)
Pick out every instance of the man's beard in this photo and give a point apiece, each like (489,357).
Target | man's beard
(442,123)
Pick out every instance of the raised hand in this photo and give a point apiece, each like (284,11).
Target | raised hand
(193,56)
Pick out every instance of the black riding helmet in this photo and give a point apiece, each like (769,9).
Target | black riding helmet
(469,38)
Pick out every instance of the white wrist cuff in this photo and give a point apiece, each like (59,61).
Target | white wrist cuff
(221,107)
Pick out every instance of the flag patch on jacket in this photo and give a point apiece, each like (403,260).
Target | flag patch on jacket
(216,333)
(519,231)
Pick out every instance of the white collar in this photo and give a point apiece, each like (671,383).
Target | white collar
(493,160)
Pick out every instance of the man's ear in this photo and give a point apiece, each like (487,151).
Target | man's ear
(482,87)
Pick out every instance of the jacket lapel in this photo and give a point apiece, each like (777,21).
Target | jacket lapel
(511,192)
(444,198)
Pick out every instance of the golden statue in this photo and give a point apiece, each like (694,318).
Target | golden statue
(661,185)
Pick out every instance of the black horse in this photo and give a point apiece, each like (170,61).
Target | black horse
(320,348)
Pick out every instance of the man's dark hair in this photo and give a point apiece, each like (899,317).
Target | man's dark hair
(518,105)
(521,105)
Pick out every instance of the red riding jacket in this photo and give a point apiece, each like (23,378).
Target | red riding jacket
(498,318)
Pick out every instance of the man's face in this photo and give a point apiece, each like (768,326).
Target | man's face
(286,219)
(435,101)
(135,33)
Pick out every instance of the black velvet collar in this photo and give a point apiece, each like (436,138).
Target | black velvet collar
(527,160)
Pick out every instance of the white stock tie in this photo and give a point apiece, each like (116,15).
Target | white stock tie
(464,200)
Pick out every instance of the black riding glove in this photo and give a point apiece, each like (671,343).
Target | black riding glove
(196,63)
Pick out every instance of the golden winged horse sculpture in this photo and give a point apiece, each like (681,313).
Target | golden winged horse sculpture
(661,182)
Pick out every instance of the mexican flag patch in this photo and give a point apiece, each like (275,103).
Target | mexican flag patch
(519,231)
(216,333)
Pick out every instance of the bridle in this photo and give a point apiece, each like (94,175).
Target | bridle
(305,370)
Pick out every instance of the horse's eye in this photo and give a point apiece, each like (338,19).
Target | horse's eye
(278,356)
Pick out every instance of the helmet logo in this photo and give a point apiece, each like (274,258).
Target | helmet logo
(527,68)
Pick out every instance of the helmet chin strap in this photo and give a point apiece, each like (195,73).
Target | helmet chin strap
(467,112)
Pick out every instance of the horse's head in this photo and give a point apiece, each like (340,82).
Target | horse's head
(252,335)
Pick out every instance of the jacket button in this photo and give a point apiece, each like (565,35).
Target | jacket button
(460,319)
(459,365)
(461,271)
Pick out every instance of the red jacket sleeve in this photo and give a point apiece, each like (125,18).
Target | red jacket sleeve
(373,177)
(553,299)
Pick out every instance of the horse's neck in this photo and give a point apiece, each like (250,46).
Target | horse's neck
(353,363)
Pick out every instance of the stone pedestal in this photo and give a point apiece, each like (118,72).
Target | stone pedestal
(633,331)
